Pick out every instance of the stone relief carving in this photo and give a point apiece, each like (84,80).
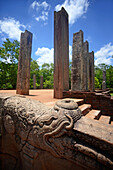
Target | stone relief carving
(35,135)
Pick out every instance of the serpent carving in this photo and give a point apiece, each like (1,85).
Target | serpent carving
(37,137)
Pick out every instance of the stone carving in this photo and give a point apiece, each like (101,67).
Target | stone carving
(61,53)
(37,137)
(23,76)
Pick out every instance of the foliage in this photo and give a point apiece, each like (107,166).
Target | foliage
(8,64)
(47,73)
(34,69)
(99,75)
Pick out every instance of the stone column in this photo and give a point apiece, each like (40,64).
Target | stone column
(85,65)
(104,80)
(91,72)
(61,53)
(77,61)
(34,81)
(41,82)
(23,76)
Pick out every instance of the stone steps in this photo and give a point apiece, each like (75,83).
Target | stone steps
(94,114)
(85,108)
(105,119)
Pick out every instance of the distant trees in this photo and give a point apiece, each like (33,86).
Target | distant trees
(9,53)
(99,75)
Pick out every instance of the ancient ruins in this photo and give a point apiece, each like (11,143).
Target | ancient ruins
(65,136)
(23,76)
(34,81)
(82,76)
(37,137)
(61,53)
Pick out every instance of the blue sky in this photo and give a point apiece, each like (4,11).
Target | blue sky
(94,17)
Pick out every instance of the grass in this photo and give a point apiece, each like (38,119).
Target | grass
(111,94)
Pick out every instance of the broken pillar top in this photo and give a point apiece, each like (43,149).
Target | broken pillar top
(62,11)
(78,36)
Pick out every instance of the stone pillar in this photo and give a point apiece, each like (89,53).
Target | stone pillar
(85,65)
(34,81)
(61,53)
(104,80)
(41,82)
(91,72)
(77,61)
(23,76)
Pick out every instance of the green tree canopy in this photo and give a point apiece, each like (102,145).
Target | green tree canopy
(9,53)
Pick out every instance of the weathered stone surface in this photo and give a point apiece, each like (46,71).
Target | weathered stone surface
(77,61)
(57,138)
(41,82)
(61,53)
(82,76)
(34,81)
(23,76)
(91,72)
(104,80)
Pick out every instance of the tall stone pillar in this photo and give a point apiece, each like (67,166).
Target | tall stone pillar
(91,72)
(77,62)
(41,82)
(104,80)
(61,53)
(34,81)
(85,65)
(23,76)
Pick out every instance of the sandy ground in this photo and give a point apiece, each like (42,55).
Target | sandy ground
(44,96)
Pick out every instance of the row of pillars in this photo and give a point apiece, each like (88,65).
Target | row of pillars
(82,76)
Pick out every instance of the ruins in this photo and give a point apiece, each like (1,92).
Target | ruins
(23,76)
(82,76)
(65,136)
(34,81)
(61,53)
(35,136)
(104,80)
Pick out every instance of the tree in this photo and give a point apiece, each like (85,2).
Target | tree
(34,69)
(9,53)
(47,72)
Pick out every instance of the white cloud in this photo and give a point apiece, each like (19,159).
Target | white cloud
(104,55)
(42,10)
(11,27)
(75,8)
(45,55)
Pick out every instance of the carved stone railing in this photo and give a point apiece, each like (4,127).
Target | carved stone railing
(37,137)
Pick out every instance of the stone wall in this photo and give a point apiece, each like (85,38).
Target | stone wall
(97,100)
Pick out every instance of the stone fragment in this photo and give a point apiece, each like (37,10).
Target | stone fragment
(23,76)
